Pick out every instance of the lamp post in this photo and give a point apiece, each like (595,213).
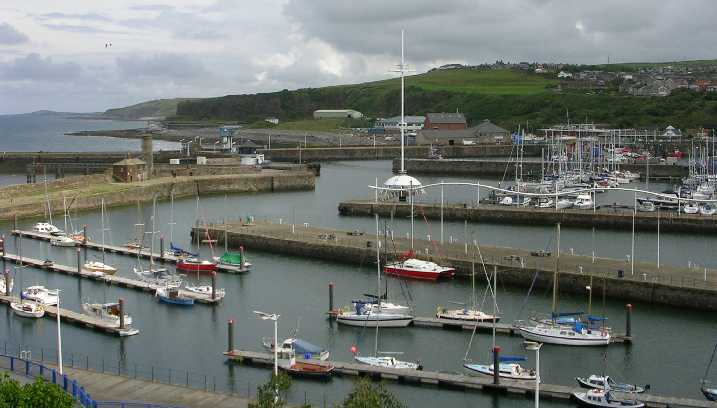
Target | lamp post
(59,334)
(275,318)
(534,346)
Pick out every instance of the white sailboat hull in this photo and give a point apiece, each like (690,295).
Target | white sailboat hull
(368,320)
(563,336)
(388,362)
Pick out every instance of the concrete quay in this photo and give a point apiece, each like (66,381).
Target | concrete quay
(465,382)
(506,168)
(608,218)
(666,285)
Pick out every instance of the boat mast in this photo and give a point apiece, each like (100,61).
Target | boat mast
(151,237)
(378,288)
(495,302)
(171,218)
(64,206)
(555,273)
(402,125)
(473,282)
(102,223)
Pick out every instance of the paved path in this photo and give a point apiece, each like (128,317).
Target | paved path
(114,388)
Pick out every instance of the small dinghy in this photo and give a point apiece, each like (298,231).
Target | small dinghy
(172,296)
(604,399)
(607,383)
(28,309)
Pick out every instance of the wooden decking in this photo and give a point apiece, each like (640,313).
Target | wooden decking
(461,381)
(108,279)
(123,250)
(79,319)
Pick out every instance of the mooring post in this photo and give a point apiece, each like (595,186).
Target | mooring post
(79,261)
(214,285)
(6,274)
(2,247)
(331,297)
(84,239)
(496,365)
(120,302)
(14,222)
(628,320)
(230,335)
(242,261)
(161,248)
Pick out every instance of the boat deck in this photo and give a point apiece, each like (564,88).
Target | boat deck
(461,381)
(108,279)
(70,316)
(123,250)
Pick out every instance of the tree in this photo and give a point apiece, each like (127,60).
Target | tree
(39,394)
(367,395)
(265,397)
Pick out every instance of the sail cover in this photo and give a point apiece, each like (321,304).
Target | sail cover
(304,347)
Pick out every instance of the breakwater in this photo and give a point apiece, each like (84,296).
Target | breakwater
(506,168)
(84,193)
(668,285)
(608,218)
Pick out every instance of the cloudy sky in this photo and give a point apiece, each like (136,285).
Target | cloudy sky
(56,55)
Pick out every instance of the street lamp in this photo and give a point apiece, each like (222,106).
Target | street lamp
(534,346)
(59,335)
(275,318)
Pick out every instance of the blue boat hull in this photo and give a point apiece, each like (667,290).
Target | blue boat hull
(175,301)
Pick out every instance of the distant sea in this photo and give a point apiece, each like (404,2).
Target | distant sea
(45,131)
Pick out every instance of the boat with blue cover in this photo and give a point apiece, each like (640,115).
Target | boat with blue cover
(299,347)
(172,296)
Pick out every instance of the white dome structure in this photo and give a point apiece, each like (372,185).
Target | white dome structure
(402,185)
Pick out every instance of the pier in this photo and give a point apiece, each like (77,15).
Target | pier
(160,257)
(79,319)
(529,168)
(460,381)
(120,281)
(607,218)
(667,285)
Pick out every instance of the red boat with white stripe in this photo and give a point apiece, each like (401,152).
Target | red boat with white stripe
(419,269)
(196,265)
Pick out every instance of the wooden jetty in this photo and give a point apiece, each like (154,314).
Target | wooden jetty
(669,285)
(79,319)
(461,381)
(108,279)
(160,257)
(605,217)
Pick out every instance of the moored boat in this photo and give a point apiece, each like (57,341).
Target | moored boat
(41,294)
(205,290)
(604,382)
(296,346)
(388,362)
(467,314)
(307,368)
(28,309)
(62,241)
(574,335)
(100,267)
(46,227)
(172,295)
(109,312)
(195,265)
(506,369)
(3,288)
(604,399)
(419,269)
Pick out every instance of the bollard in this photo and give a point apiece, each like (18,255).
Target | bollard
(79,261)
(331,297)
(84,234)
(7,282)
(120,302)
(161,248)
(214,285)
(230,335)
(628,320)
(242,262)
(496,365)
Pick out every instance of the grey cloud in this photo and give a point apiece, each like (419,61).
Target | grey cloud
(167,66)
(35,68)
(74,16)
(74,28)
(152,7)
(11,36)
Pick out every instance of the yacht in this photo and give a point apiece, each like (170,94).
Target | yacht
(41,294)
(46,227)
(584,202)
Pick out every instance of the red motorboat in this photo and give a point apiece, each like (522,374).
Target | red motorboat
(409,267)
(196,265)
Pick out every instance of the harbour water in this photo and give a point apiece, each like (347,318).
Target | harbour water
(670,349)
(34,132)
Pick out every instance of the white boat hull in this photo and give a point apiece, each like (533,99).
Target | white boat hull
(388,362)
(373,321)
(488,370)
(32,312)
(551,337)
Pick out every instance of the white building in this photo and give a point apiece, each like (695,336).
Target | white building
(413,123)
(337,114)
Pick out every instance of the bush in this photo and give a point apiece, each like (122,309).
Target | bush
(365,395)
(265,393)
(39,394)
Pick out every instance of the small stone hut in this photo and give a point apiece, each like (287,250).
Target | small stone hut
(128,170)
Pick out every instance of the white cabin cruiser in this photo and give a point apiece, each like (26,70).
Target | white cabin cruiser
(41,294)
(62,241)
(604,399)
(513,371)
(388,362)
(46,227)
(109,312)
(584,202)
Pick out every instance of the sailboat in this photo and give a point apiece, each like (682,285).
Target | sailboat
(570,332)
(194,263)
(173,249)
(234,260)
(47,227)
(709,390)
(472,313)
(109,312)
(61,239)
(155,275)
(366,314)
(136,242)
(508,366)
(100,266)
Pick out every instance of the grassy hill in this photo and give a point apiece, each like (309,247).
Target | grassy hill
(507,97)
(156,108)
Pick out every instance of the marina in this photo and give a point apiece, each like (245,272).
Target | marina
(459,381)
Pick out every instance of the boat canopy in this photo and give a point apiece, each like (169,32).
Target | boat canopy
(231,258)
(506,359)
(596,318)
(566,314)
(304,347)
(178,250)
